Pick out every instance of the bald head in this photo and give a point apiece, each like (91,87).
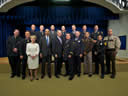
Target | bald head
(59,33)
(96,27)
(16,32)
(77,33)
(47,32)
(33,27)
(73,27)
(84,27)
(41,27)
(52,27)
(110,32)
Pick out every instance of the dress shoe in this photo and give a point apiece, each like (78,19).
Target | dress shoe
(23,77)
(102,76)
(78,75)
(112,76)
(89,75)
(57,76)
(71,77)
(12,76)
(42,76)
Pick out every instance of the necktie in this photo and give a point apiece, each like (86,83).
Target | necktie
(60,40)
(47,39)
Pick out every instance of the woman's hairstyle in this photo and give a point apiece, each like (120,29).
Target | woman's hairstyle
(33,36)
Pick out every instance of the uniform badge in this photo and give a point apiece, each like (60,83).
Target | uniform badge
(105,43)
(78,41)
(101,44)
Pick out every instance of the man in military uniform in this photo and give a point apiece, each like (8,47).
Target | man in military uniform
(76,54)
(13,46)
(67,47)
(99,52)
(23,55)
(84,30)
(112,46)
(94,36)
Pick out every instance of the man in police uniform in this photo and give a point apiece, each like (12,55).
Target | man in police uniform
(23,55)
(112,46)
(76,53)
(94,36)
(99,52)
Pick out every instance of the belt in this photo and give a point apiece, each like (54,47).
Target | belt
(112,49)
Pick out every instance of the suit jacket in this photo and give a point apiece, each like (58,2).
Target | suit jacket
(53,35)
(39,35)
(23,47)
(58,47)
(45,49)
(12,43)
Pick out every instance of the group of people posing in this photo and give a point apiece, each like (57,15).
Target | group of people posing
(61,47)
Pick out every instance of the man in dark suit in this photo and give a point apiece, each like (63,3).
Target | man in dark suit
(58,52)
(23,55)
(33,29)
(13,46)
(63,31)
(52,32)
(46,53)
(76,54)
(40,33)
(66,52)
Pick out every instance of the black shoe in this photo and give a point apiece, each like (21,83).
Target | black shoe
(18,75)
(12,76)
(96,73)
(37,78)
(60,73)
(112,76)
(23,77)
(85,73)
(107,73)
(49,76)
(42,76)
(66,75)
(57,76)
(102,76)
(71,77)
(89,75)
(78,75)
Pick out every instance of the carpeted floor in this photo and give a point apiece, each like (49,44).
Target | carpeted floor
(83,86)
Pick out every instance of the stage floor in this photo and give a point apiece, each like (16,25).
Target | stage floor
(83,86)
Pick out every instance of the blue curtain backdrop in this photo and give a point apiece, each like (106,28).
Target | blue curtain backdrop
(23,16)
